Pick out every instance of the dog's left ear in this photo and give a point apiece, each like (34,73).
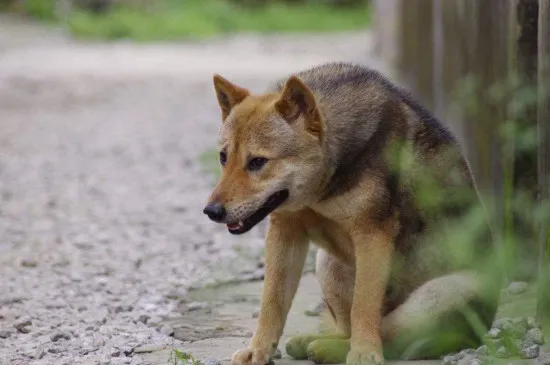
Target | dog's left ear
(228,94)
(297,100)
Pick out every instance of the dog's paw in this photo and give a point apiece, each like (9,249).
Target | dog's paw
(251,356)
(367,355)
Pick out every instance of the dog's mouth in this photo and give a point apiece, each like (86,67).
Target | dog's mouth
(272,203)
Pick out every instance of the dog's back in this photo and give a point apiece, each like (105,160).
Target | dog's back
(428,181)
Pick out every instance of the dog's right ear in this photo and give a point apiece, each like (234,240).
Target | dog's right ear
(228,94)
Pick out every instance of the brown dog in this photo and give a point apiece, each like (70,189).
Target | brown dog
(340,156)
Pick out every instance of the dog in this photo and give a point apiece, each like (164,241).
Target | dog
(340,156)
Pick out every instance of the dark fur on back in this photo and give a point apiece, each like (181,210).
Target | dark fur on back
(363,111)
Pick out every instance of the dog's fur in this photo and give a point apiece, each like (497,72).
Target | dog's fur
(374,180)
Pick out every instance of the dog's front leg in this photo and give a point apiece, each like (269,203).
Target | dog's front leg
(286,250)
(373,250)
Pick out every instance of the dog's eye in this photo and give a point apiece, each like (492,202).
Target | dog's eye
(223,158)
(256,163)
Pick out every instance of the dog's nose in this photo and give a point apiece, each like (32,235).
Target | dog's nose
(215,211)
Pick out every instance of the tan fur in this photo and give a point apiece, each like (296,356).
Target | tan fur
(305,129)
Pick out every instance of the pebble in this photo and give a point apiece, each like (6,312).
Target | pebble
(56,336)
(115,353)
(255,314)
(23,325)
(5,334)
(277,354)
(167,330)
(530,352)
(450,360)
(517,287)
(494,333)
(29,263)
(482,351)
(124,308)
(39,353)
(144,318)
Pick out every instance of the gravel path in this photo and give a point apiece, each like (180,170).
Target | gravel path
(101,189)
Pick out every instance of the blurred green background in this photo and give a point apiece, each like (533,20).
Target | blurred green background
(153,20)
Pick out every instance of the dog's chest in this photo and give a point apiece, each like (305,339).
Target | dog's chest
(330,236)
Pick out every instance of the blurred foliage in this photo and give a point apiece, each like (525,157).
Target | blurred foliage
(39,9)
(146,20)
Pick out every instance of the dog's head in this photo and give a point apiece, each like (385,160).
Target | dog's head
(270,153)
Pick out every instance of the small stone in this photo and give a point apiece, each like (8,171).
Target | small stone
(482,351)
(144,318)
(167,330)
(22,325)
(124,308)
(534,336)
(126,350)
(115,353)
(450,360)
(517,287)
(56,336)
(494,333)
(211,361)
(5,334)
(530,352)
(29,263)
(502,353)
(469,360)
(39,353)
(502,323)
(53,350)
(277,355)
(255,314)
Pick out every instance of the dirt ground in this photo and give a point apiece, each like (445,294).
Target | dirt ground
(101,188)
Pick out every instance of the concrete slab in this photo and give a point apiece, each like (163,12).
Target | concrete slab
(221,321)
(219,330)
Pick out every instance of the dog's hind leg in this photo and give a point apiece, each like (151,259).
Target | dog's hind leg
(443,315)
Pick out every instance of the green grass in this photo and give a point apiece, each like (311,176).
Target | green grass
(205,18)
(182,358)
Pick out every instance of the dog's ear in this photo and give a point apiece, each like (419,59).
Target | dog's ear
(297,100)
(228,94)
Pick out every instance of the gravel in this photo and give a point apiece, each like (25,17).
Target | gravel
(530,352)
(509,337)
(101,188)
